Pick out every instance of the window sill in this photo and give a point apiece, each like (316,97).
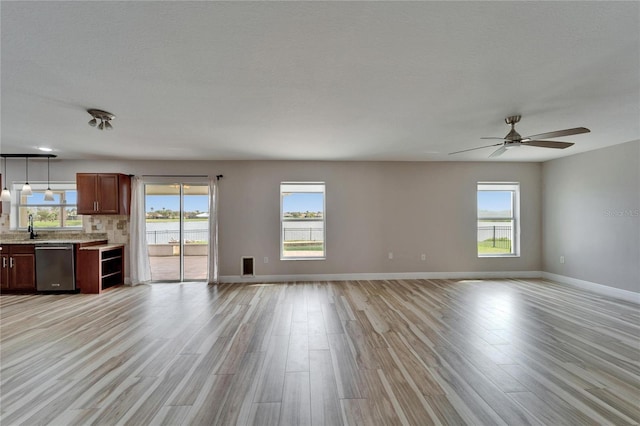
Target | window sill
(483,256)
(303,258)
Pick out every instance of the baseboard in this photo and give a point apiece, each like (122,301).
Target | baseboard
(605,290)
(380,276)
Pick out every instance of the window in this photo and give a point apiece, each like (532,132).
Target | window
(498,219)
(302,220)
(61,213)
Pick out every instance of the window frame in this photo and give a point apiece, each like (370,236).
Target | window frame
(40,187)
(514,188)
(324,218)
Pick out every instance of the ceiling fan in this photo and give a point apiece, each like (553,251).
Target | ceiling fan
(513,139)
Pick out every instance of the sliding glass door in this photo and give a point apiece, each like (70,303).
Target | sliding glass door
(177,221)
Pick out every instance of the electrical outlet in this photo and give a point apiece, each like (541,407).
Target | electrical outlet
(561,259)
(266,259)
(423,256)
(390,255)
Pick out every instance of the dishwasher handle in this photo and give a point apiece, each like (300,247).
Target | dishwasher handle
(54,248)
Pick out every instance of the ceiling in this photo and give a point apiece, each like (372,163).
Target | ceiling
(316,80)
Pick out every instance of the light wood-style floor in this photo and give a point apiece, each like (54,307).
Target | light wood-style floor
(406,352)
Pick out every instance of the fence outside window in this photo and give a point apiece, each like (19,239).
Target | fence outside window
(499,236)
(169,236)
(303,234)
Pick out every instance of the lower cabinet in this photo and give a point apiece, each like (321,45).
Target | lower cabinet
(100,267)
(18,268)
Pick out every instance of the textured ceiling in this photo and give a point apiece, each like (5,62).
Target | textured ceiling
(316,80)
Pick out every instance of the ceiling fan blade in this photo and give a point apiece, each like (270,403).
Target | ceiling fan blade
(558,133)
(549,144)
(500,139)
(498,152)
(473,149)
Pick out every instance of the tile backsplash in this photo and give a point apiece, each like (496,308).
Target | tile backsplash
(115,226)
(4,222)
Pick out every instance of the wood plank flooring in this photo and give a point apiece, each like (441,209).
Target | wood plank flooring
(398,352)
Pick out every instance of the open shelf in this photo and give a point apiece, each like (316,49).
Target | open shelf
(103,267)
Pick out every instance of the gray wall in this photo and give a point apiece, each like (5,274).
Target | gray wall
(591,216)
(372,208)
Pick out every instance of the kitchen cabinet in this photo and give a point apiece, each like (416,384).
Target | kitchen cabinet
(103,193)
(100,267)
(18,268)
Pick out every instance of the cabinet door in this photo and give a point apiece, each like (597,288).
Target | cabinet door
(86,184)
(108,193)
(4,272)
(22,274)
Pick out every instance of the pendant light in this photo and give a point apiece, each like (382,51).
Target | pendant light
(48,194)
(6,195)
(26,188)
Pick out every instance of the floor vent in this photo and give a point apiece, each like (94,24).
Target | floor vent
(247,266)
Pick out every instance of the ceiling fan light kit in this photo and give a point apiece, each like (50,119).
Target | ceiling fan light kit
(104,117)
(514,140)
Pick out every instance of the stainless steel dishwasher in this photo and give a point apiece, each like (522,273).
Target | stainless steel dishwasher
(55,267)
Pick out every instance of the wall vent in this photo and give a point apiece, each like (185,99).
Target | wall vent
(247,266)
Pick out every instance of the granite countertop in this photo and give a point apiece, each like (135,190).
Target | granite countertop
(41,241)
(103,247)
(51,237)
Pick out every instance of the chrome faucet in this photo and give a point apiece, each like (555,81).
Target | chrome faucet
(32,235)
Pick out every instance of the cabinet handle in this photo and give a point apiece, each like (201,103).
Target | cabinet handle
(95,209)
(97,206)
(4,262)
(11,262)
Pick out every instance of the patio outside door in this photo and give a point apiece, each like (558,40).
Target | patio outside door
(177,221)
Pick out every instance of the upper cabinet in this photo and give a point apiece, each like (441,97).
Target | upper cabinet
(103,193)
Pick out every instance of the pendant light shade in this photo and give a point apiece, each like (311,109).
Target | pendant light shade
(48,194)
(6,195)
(26,188)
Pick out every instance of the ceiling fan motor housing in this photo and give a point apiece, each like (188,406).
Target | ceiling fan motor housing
(512,136)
